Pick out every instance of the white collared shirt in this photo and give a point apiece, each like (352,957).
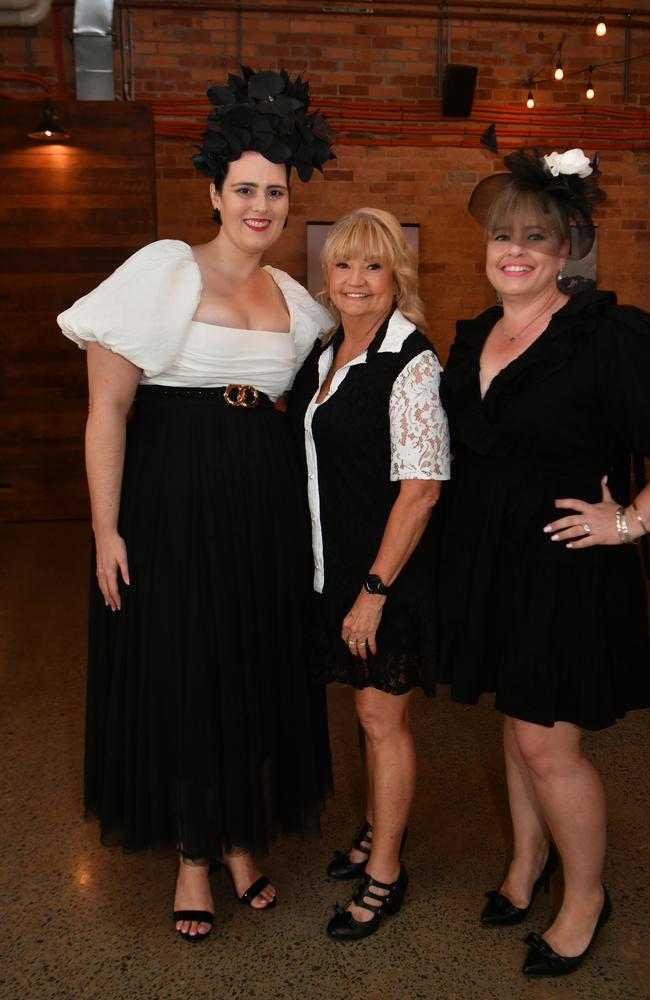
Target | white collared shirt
(419,434)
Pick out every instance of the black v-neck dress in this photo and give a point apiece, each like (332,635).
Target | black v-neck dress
(557,634)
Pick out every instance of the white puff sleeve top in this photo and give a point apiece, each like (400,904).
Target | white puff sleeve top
(143,312)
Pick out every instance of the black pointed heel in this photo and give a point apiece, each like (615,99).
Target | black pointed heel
(500,912)
(541,960)
(342,869)
(344,927)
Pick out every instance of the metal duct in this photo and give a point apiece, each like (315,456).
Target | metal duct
(23,13)
(93,50)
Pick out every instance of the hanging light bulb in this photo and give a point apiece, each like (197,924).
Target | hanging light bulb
(590,93)
(559,72)
(530,101)
(601,27)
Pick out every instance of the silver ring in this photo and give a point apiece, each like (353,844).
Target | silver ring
(362,642)
(586,528)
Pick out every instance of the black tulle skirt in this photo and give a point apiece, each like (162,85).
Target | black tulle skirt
(204,728)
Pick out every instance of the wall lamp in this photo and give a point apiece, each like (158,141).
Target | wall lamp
(49,129)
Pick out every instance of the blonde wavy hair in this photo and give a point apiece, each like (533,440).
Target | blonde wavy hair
(372,234)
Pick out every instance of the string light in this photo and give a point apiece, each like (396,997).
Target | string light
(530,100)
(590,93)
(559,72)
(601,27)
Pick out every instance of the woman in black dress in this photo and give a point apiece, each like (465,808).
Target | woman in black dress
(542,600)
(366,406)
(202,728)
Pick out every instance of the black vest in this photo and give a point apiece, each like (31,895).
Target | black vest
(352,437)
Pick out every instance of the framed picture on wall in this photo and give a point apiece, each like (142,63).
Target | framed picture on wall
(581,275)
(316,236)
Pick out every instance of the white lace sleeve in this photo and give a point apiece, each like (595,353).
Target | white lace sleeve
(419,434)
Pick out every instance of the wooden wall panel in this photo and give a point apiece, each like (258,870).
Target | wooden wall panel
(69,214)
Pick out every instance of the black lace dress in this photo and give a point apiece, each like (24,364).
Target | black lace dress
(558,634)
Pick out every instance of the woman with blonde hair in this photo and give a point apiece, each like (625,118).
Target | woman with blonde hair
(366,407)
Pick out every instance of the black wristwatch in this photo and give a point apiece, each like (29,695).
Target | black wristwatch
(373,584)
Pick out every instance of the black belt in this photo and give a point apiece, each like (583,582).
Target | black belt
(245,396)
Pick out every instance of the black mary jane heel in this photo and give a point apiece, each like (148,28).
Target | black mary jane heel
(341,868)
(344,927)
(500,912)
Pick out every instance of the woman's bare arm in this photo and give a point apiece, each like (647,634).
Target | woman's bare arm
(406,522)
(112,382)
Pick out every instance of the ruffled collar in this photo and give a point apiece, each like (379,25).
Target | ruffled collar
(568,331)
(576,319)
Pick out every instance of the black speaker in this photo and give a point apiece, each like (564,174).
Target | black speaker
(458,90)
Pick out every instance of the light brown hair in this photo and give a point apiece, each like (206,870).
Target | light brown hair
(515,202)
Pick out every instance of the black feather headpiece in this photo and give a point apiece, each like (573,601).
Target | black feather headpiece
(268,113)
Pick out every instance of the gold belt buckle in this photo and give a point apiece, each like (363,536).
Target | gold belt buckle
(247,395)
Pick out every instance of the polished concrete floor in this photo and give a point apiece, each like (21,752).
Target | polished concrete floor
(82,921)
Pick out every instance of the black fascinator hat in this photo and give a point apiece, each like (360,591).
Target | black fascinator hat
(268,113)
(566,179)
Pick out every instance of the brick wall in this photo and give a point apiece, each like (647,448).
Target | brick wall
(361,59)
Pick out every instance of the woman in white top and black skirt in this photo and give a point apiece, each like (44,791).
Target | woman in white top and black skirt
(365,405)
(202,727)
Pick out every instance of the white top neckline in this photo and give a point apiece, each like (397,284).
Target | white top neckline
(240,329)
(144,310)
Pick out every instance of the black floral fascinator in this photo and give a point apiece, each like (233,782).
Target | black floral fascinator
(268,113)
(568,179)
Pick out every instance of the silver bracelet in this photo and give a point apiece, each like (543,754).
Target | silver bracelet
(624,535)
(639,516)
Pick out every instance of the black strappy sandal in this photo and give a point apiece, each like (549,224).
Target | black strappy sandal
(201,917)
(344,927)
(341,868)
(254,890)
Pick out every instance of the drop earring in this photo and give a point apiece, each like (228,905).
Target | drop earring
(216,215)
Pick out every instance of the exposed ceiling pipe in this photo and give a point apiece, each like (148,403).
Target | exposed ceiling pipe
(15,4)
(93,50)
(470,10)
(23,13)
